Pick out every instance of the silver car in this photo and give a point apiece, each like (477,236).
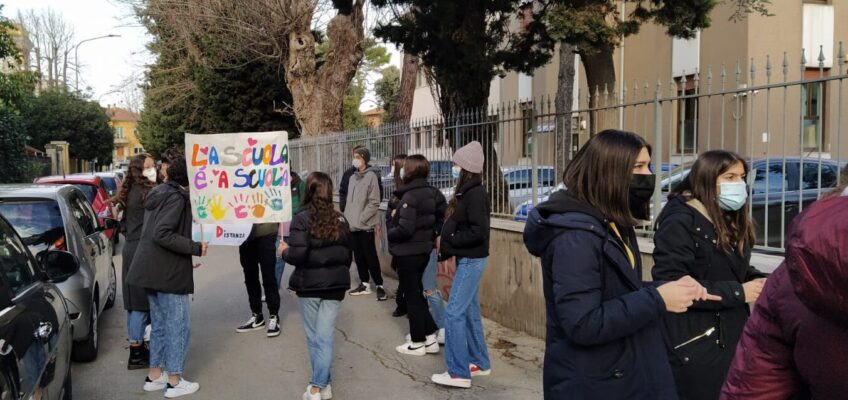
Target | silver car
(51,217)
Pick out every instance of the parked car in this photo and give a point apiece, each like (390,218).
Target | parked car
(53,217)
(35,330)
(777,195)
(95,191)
(519,180)
(111,181)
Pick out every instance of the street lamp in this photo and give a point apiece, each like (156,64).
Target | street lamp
(76,53)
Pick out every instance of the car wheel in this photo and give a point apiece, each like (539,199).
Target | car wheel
(86,350)
(113,289)
(67,388)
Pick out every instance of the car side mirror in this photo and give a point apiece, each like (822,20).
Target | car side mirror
(60,265)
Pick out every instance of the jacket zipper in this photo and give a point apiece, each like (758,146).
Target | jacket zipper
(706,333)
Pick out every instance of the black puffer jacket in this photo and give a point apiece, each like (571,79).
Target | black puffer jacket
(321,266)
(466,232)
(162,261)
(419,218)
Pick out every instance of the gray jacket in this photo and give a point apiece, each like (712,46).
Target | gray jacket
(363,200)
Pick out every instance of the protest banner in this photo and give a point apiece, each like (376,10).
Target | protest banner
(239,178)
(221,234)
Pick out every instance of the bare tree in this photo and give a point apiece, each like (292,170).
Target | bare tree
(53,40)
(282,30)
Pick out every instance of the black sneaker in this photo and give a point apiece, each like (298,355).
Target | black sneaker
(273,326)
(399,312)
(363,288)
(139,358)
(255,322)
(381,294)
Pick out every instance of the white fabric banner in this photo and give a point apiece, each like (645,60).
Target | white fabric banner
(221,235)
(239,178)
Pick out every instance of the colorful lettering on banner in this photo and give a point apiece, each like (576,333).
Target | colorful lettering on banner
(221,235)
(239,178)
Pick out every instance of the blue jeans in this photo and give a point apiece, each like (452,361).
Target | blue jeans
(431,285)
(170,331)
(280,266)
(465,342)
(319,324)
(136,322)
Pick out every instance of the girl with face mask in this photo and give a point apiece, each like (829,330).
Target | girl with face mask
(604,337)
(130,199)
(705,231)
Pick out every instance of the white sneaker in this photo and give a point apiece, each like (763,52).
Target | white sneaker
(155,385)
(440,337)
(412,349)
(147,331)
(476,371)
(183,388)
(446,379)
(327,392)
(308,395)
(431,346)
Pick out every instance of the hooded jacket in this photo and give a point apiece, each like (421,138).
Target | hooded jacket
(420,215)
(162,261)
(685,244)
(795,344)
(363,200)
(603,337)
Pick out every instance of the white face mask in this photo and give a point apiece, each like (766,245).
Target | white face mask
(150,174)
(357,163)
(401,173)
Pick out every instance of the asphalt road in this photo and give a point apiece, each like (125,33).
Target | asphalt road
(230,365)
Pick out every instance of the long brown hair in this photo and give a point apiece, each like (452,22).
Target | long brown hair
(323,217)
(601,172)
(415,167)
(843,184)
(464,177)
(734,229)
(135,177)
(397,162)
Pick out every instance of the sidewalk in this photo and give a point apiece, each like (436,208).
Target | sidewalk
(229,365)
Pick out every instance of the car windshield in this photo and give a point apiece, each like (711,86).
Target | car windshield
(39,222)
(111,184)
(90,191)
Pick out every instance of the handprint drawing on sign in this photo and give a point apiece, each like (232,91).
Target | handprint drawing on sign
(258,205)
(218,212)
(274,199)
(202,205)
(239,204)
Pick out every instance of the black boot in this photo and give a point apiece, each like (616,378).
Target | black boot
(399,312)
(139,358)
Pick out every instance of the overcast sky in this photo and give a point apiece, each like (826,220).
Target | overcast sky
(108,63)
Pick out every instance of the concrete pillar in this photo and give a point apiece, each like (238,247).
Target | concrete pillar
(59,153)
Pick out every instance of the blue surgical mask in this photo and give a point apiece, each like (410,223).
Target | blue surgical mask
(733,195)
(455,171)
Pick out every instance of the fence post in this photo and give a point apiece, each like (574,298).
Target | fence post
(657,156)
(534,173)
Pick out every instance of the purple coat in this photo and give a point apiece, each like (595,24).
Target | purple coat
(795,344)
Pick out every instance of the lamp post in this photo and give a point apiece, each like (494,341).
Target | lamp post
(76,54)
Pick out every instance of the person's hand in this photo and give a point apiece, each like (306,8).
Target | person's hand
(753,289)
(394,212)
(702,292)
(282,248)
(196,266)
(204,248)
(679,295)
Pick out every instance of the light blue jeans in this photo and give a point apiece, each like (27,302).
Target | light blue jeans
(281,264)
(170,331)
(430,283)
(319,324)
(136,322)
(465,342)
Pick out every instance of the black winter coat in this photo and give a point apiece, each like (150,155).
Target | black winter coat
(603,335)
(685,245)
(321,266)
(162,261)
(419,217)
(135,298)
(466,232)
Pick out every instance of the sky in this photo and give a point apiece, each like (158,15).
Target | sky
(108,63)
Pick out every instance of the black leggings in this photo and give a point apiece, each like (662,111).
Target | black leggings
(259,255)
(410,271)
(365,255)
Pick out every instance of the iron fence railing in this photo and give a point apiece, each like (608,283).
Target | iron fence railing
(786,118)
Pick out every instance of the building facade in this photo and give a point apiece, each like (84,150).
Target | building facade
(124,124)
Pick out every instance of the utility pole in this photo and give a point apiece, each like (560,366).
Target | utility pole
(76,55)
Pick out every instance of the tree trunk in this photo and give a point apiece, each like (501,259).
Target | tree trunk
(600,75)
(564,105)
(318,94)
(403,104)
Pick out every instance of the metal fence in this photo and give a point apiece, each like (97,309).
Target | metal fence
(784,116)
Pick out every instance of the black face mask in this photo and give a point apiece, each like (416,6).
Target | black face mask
(641,191)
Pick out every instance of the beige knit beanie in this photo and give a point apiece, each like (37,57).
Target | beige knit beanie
(470,157)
